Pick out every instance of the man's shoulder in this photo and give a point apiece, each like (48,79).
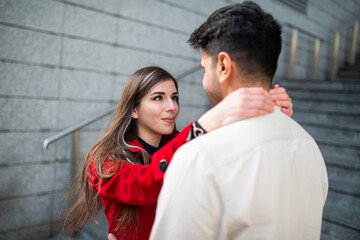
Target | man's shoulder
(245,134)
(272,123)
(239,140)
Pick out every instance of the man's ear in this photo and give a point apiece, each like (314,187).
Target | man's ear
(134,114)
(224,67)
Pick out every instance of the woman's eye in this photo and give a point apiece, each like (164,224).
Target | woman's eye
(175,98)
(157,98)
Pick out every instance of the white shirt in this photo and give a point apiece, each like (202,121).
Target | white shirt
(261,178)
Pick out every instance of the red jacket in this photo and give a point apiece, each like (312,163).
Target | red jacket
(136,184)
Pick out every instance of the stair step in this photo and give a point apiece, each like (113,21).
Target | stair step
(328,107)
(339,153)
(349,75)
(345,96)
(328,120)
(344,181)
(344,187)
(337,231)
(356,63)
(344,175)
(350,72)
(342,163)
(346,217)
(325,236)
(350,68)
(347,138)
(348,79)
(320,84)
(343,200)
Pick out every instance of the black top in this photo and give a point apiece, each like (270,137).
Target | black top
(149,148)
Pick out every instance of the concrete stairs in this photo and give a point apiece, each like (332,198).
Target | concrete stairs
(330,112)
(350,72)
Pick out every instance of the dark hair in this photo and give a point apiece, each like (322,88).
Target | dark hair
(249,35)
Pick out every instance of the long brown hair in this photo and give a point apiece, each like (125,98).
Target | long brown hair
(112,146)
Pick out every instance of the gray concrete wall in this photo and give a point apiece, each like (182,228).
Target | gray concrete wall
(63,61)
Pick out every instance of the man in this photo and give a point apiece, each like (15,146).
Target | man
(261,178)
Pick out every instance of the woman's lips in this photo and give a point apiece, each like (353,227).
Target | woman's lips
(168,119)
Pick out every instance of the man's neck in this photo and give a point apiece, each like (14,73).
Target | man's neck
(250,81)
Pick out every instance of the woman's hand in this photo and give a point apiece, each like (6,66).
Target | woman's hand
(111,237)
(241,104)
(282,99)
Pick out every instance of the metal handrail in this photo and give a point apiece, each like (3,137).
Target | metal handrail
(317,40)
(75,127)
(330,35)
(96,117)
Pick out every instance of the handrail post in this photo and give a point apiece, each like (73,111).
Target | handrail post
(353,44)
(315,58)
(292,53)
(334,60)
(74,155)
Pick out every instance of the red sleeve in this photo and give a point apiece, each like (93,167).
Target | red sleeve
(138,184)
(167,152)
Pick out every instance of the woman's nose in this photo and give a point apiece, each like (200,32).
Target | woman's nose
(170,105)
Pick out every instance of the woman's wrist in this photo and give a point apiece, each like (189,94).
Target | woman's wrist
(209,120)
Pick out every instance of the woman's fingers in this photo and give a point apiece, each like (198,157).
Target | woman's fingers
(280,96)
(282,99)
(249,113)
(287,111)
(279,93)
(276,86)
(260,102)
(250,102)
(283,104)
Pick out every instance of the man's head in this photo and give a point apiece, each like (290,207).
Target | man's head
(240,48)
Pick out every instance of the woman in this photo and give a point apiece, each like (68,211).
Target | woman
(125,168)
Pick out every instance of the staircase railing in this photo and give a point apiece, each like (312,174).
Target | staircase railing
(317,41)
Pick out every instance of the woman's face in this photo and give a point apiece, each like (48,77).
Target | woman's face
(157,112)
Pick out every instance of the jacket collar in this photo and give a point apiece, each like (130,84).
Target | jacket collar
(135,142)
